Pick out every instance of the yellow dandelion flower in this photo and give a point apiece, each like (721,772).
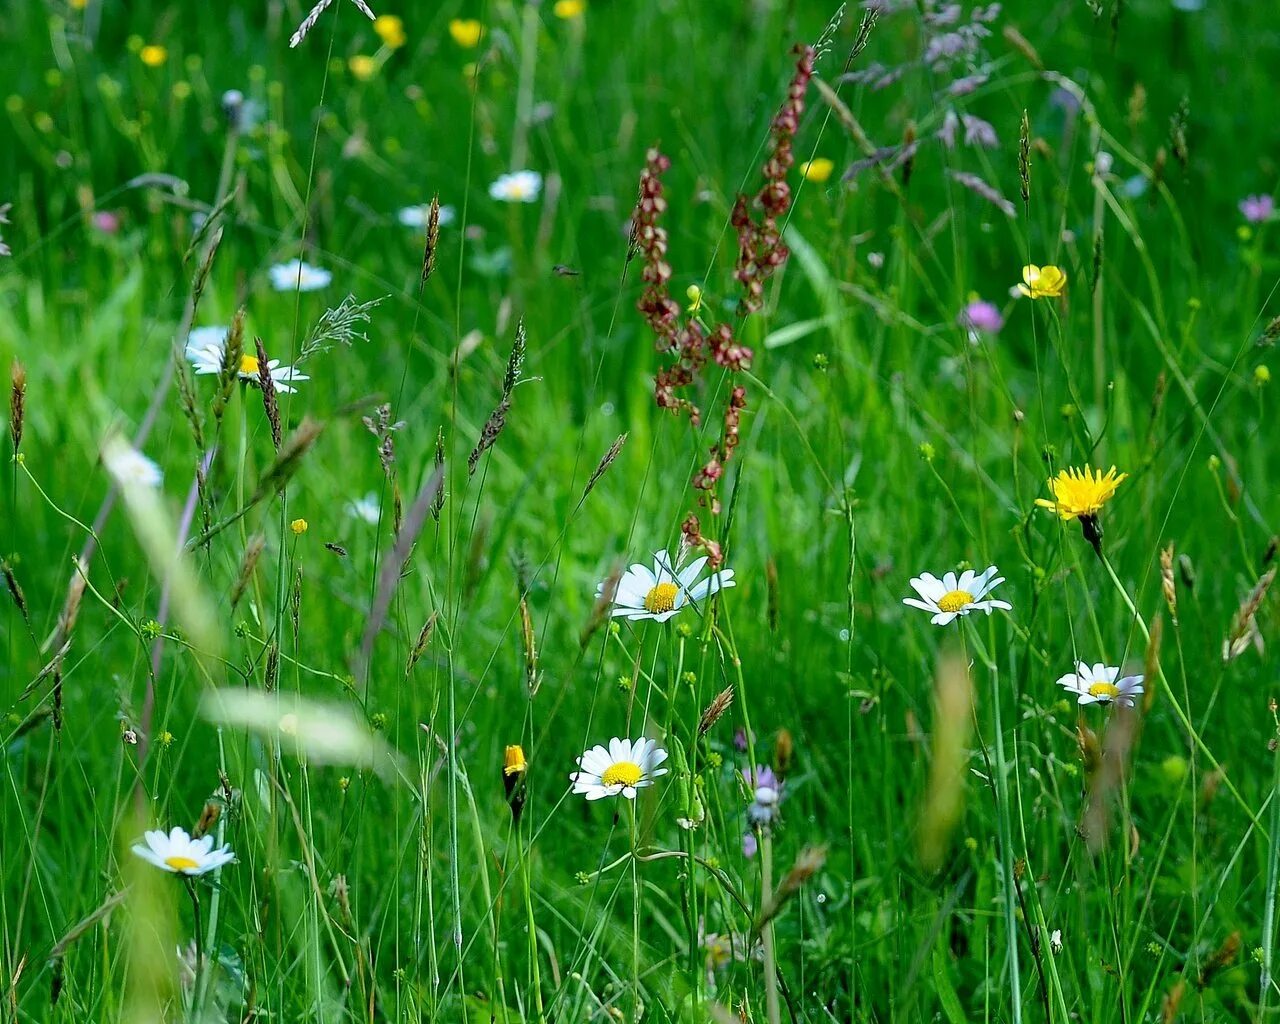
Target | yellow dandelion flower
(818,169)
(390,30)
(299,527)
(153,55)
(1079,493)
(1042,282)
(466,32)
(569,8)
(363,66)
(513,763)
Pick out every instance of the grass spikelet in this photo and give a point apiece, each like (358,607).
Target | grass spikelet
(187,401)
(497,420)
(252,552)
(420,645)
(437,503)
(603,465)
(15,591)
(948,761)
(17,403)
(1244,627)
(308,23)
(715,710)
(288,460)
(1024,157)
(342,324)
(268,387)
(232,358)
(295,602)
(1166,582)
(433,239)
(808,864)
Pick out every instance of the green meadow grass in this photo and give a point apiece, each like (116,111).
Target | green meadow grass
(967,844)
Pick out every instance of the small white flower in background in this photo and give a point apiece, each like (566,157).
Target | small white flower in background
(875,260)
(207,346)
(948,597)
(129,467)
(621,769)
(298,276)
(1055,941)
(416,216)
(365,509)
(519,187)
(179,853)
(663,591)
(1099,685)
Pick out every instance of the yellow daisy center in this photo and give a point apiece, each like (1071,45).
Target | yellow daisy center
(661,598)
(249,364)
(1104,690)
(181,863)
(624,773)
(955,600)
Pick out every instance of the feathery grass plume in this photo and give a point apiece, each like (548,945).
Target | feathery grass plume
(420,645)
(339,325)
(1107,782)
(979,187)
(1024,158)
(321,732)
(15,590)
(600,610)
(715,710)
(869,16)
(1151,665)
(252,552)
(948,761)
(17,403)
(1222,958)
(808,864)
(603,465)
(1166,582)
(498,418)
(309,22)
(268,387)
(826,38)
(232,358)
(1269,333)
(433,240)
(392,568)
(528,641)
(1244,627)
(437,505)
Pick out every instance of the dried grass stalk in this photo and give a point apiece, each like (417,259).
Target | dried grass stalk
(17,403)
(1244,626)
(713,712)
(420,645)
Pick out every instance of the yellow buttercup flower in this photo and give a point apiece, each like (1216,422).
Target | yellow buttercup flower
(363,66)
(1079,493)
(153,55)
(569,8)
(466,32)
(1042,282)
(390,30)
(298,526)
(818,169)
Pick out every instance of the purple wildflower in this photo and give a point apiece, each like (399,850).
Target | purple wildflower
(978,132)
(1257,209)
(980,315)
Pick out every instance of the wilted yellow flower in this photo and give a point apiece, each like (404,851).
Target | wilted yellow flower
(390,30)
(1042,282)
(1077,493)
(466,32)
(569,8)
(363,66)
(818,169)
(153,55)
(298,526)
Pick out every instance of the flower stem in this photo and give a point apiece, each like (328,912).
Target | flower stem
(772,1008)
(199,940)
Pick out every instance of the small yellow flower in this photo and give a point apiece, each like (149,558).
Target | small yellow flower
(79,5)
(569,8)
(153,55)
(466,32)
(1042,282)
(695,298)
(363,66)
(390,30)
(1261,375)
(514,763)
(299,527)
(1077,493)
(818,169)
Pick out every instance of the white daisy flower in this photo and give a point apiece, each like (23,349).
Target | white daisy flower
(129,467)
(620,770)
(179,853)
(520,187)
(949,597)
(365,509)
(298,276)
(1099,685)
(416,216)
(206,348)
(661,592)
